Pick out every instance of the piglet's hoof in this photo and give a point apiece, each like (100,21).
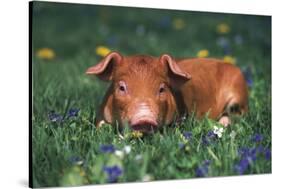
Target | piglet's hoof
(225,121)
(100,123)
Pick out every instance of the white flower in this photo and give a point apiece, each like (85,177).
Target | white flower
(138,157)
(119,153)
(232,134)
(127,149)
(218,131)
(146,178)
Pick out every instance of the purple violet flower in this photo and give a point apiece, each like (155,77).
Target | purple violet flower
(187,135)
(73,112)
(242,166)
(55,117)
(107,148)
(267,153)
(113,172)
(181,145)
(165,22)
(257,138)
(202,171)
(248,76)
(75,160)
(207,139)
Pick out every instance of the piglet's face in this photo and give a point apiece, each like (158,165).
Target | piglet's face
(142,89)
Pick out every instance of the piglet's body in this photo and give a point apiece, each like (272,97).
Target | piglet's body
(216,87)
(148,92)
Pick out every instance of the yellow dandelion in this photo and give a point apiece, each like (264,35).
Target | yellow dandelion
(223,28)
(178,23)
(82,173)
(229,59)
(203,53)
(46,53)
(102,51)
(137,134)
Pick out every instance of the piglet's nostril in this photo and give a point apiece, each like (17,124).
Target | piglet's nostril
(144,125)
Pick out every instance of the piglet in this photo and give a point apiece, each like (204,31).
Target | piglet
(148,92)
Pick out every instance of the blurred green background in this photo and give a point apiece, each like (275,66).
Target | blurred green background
(69,38)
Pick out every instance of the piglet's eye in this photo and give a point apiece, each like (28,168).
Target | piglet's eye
(122,87)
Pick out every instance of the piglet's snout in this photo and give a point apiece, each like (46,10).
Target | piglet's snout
(144,118)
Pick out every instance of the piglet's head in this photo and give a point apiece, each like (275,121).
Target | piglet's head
(141,93)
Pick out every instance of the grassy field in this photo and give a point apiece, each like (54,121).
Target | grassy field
(68,150)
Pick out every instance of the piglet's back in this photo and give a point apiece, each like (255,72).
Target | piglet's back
(215,85)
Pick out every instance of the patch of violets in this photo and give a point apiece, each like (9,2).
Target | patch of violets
(107,148)
(247,72)
(187,135)
(247,155)
(207,139)
(73,112)
(113,173)
(202,170)
(165,22)
(57,118)
(75,160)
(257,138)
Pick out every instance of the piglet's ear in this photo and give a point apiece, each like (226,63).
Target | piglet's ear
(104,69)
(176,75)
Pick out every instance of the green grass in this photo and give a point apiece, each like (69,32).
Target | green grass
(59,84)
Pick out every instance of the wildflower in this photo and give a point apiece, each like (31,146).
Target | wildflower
(181,145)
(248,76)
(137,134)
(76,160)
(207,139)
(260,149)
(165,22)
(238,39)
(223,28)
(138,157)
(127,149)
(229,59)
(55,117)
(113,173)
(248,153)
(218,131)
(203,53)
(257,138)
(242,166)
(211,134)
(178,23)
(146,178)
(222,42)
(232,134)
(267,153)
(202,170)
(102,51)
(187,135)
(107,148)
(119,153)
(112,40)
(73,112)
(46,53)
(140,30)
